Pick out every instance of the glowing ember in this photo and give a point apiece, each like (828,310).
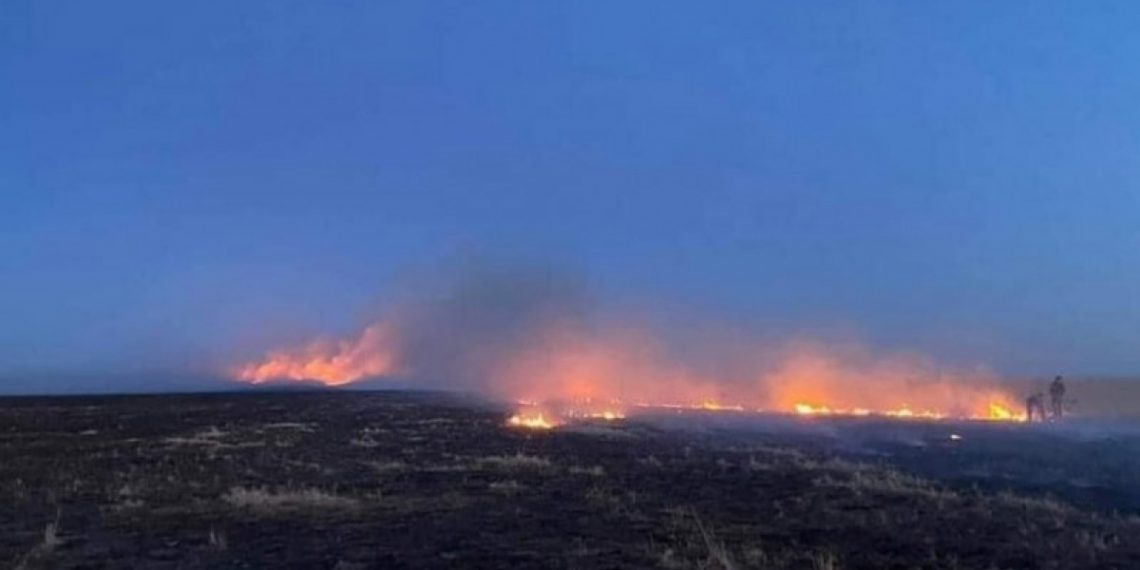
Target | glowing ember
(906,412)
(713,405)
(997,412)
(546,419)
(1000,412)
(606,415)
(810,410)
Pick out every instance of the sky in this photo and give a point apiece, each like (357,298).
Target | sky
(180,183)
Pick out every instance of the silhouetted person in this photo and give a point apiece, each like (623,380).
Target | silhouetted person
(1057,397)
(1035,405)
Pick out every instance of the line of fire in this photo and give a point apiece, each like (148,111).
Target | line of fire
(583,378)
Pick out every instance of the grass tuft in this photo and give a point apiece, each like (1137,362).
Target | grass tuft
(267,502)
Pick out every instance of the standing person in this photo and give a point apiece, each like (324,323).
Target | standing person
(1057,397)
(1035,404)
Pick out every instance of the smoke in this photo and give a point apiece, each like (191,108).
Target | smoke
(537,334)
(460,337)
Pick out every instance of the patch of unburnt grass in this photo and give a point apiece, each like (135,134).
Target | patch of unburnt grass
(651,461)
(694,545)
(41,553)
(1034,504)
(210,436)
(264,501)
(868,479)
(390,466)
(516,461)
(366,441)
(508,487)
(601,431)
(612,500)
(294,426)
(691,541)
(595,471)
(212,439)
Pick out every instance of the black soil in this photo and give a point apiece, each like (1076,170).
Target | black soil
(407,480)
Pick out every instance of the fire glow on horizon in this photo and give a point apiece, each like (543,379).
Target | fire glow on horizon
(609,374)
(330,362)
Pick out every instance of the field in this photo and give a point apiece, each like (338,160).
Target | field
(417,480)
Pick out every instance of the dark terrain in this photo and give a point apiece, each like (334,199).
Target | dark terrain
(410,480)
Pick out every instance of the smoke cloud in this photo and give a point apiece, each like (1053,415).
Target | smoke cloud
(537,334)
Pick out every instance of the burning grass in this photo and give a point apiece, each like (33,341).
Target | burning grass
(565,368)
(527,419)
(331,362)
(530,418)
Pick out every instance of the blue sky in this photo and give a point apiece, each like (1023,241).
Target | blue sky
(180,182)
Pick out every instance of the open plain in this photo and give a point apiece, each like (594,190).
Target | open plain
(339,479)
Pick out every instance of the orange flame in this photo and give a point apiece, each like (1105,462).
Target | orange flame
(813,383)
(530,419)
(600,374)
(332,363)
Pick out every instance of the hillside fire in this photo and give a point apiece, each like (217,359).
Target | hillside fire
(329,362)
(564,374)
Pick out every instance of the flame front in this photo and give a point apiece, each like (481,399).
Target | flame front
(603,374)
(530,419)
(332,363)
(814,383)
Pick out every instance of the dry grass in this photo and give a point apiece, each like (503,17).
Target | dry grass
(42,551)
(212,439)
(758,465)
(718,555)
(217,540)
(517,461)
(651,461)
(863,478)
(601,431)
(784,453)
(298,426)
(365,440)
(446,468)
(695,545)
(264,501)
(206,437)
(611,499)
(747,506)
(1037,504)
(595,471)
(824,561)
(509,487)
(391,466)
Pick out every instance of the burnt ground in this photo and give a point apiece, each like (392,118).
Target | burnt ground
(411,480)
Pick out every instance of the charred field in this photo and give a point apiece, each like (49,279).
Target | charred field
(337,479)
